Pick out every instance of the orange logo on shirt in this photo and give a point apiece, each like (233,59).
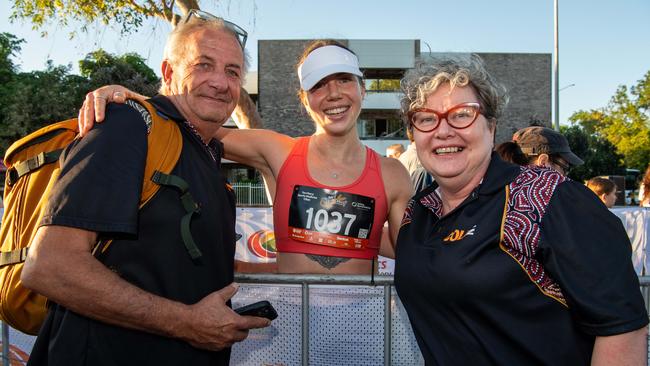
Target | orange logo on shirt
(458,234)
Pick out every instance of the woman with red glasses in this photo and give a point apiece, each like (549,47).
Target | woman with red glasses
(502,264)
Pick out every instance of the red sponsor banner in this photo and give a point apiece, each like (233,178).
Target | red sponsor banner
(327,239)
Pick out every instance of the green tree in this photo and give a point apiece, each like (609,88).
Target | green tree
(38,98)
(127,13)
(624,122)
(9,47)
(102,68)
(383,84)
(599,155)
(34,99)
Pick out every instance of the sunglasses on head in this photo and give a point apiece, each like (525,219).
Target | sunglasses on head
(242,35)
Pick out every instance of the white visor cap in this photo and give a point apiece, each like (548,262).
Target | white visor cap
(325,61)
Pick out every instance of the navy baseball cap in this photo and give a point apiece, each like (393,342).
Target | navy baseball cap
(537,140)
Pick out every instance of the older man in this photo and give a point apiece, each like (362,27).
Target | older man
(144,300)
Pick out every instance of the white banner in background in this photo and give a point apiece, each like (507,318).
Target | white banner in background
(256,241)
(635,221)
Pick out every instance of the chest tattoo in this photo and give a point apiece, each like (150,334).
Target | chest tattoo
(326,261)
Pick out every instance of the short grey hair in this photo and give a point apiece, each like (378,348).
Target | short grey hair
(175,45)
(459,70)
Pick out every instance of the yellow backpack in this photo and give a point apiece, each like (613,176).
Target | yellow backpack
(32,169)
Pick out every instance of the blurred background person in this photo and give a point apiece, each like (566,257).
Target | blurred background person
(546,147)
(394,151)
(492,255)
(511,152)
(605,189)
(420,178)
(644,189)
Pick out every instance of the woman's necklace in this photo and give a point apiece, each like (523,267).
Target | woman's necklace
(334,173)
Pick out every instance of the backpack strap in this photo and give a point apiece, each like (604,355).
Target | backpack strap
(30,165)
(191,207)
(12,257)
(16,168)
(165,143)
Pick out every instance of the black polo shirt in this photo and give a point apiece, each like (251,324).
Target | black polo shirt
(560,275)
(99,190)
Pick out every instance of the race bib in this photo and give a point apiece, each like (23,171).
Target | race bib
(329,217)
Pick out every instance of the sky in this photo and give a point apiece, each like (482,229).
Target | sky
(602,43)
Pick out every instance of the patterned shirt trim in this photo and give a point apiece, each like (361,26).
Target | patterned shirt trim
(431,201)
(143,111)
(530,194)
(408,213)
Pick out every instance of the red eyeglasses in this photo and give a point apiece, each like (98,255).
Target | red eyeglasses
(459,116)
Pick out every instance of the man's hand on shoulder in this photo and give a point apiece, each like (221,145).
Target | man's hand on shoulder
(94,107)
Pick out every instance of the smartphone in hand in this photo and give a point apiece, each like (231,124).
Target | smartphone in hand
(263,309)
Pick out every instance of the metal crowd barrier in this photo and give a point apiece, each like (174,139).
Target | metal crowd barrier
(644,282)
(250,194)
(308,280)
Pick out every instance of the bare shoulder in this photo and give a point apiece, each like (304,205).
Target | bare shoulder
(399,190)
(396,178)
(392,168)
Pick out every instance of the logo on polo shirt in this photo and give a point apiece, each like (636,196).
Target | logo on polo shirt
(459,234)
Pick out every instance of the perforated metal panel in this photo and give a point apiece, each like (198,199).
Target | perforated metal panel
(404,348)
(346,327)
(278,344)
